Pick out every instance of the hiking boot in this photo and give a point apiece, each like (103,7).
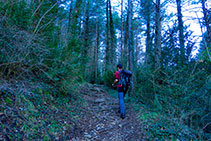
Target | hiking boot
(122,116)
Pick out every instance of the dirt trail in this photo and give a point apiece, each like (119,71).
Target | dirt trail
(101,121)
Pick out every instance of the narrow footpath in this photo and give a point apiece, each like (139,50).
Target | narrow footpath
(100,120)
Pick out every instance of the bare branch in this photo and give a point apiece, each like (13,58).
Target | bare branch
(43,17)
(37,9)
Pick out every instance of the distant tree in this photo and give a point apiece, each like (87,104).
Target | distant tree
(110,39)
(97,42)
(181,32)
(70,17)
(107,50)
(75,28)
(170,51)
(158,35)
(122,28)
(130,36)
(146,12)
(130,45)
(92,34)
(207,22)
(125,48)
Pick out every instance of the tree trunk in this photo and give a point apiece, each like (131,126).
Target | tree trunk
(148,42)
(130,40)
(181,32)
(86,48)
(69,18)
(157,36)
(122,26)
(208,41)
(97,47)
(107,58)
(206,19)
(130,46)
(125,48)
(147,10)
(112,39)
(76,12)
(137,48)
(86,34)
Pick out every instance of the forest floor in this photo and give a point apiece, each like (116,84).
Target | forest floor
(93,115)
(100,119)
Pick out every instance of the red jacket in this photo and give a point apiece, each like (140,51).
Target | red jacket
(117,76)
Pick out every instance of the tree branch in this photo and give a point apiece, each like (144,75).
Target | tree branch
(43,17)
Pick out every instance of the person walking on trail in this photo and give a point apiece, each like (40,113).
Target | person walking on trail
(120,90)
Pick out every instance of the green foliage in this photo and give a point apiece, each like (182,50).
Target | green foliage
(117,21)
(39,114)
(171,51)
(181,94)
(164,127)
(108,78)
(73,51)
(19,13)
(37,56)
(205,48)
(145,86)
(39,75)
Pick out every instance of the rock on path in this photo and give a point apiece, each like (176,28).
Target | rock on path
(101,121)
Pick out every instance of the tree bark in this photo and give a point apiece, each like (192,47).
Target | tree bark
(107,58)
(85,50)
(157,35)
(206,19)
(97,47)
(130,40)
(148,42)
(181,32)
(208,41)
(122,26)
(112,37)
(76,12)
(70,18)
(130,47)
(125,49)
(136,47)
(86,34)
(147,11)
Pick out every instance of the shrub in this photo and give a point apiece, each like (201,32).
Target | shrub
(108,78)
(181,94)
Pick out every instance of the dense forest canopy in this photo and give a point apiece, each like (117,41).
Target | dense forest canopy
(49,47)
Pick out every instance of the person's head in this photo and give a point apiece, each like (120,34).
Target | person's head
(119,66)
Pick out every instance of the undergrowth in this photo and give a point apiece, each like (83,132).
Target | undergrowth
(175,103)
(159,126)
(38,116)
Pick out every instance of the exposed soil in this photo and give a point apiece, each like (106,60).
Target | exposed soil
(101,121)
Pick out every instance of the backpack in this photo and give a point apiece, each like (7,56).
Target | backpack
(125,79)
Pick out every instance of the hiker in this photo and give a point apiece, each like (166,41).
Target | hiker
(121,90)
